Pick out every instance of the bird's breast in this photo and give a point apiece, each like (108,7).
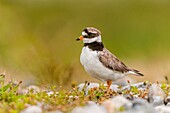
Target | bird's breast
(88,59)
(88,56)
(91,63)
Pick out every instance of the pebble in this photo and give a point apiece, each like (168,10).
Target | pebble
(140,86)
(168,104)
(89,108)
(162,109)
(114,104)
(156,95)
(141,106)
(32,109)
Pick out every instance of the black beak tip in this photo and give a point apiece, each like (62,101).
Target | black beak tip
(77,39)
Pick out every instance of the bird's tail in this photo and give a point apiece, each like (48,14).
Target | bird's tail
(135,72)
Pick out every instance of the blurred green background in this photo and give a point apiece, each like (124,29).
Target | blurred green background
(37,37)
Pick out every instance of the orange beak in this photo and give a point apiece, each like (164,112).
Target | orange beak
(80,38)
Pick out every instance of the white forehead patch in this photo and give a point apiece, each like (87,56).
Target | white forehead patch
(84,33)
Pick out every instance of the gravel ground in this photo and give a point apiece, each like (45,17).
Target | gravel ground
(133,98)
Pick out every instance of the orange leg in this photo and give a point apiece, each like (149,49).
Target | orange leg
(109,82)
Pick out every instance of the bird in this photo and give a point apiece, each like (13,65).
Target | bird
(98,61)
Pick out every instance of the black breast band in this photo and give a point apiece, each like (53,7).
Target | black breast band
(98,46)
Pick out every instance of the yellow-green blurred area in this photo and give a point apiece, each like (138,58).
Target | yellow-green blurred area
(37,37)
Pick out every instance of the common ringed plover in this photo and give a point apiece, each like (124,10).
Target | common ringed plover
(100,62)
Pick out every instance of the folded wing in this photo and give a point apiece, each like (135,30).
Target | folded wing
(112,62)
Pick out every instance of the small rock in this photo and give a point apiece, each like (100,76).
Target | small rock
(156,95)
(137,103)
(114,87)
(75,97)
(140,86)
(162,109)
(92,108)
(32,109)
(114,104)
(168,104)
(141,106)
(50,93)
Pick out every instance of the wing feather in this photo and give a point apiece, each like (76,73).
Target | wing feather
(112,62)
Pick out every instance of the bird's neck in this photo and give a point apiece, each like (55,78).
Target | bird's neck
(95,46)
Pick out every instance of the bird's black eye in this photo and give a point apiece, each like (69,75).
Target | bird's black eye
(89,33)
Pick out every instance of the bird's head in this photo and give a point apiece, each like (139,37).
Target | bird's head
(90,35)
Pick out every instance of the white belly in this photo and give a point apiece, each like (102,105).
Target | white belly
(89,59)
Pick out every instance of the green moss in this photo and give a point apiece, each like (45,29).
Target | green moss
(134,90)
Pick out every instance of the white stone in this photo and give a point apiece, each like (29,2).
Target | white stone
(32,109)
(50,93)
(162,109)
(92,108)
(113,105)
(140,86)
(141,106)
(156,95)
